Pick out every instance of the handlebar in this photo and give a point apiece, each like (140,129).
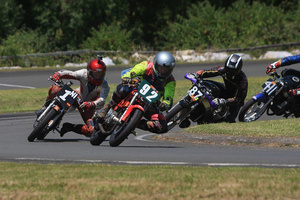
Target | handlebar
(274,74)
(60,83)
(134,83)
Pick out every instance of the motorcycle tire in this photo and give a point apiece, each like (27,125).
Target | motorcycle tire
(97,138)
(171,121)
(38,131)
(125,129)
(173,111)
(252,111)
(43,134)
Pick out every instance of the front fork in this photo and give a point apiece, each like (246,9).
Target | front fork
(47,110)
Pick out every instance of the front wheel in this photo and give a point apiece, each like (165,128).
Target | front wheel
(175,115)
(38,131)
(252,110)
(122,131)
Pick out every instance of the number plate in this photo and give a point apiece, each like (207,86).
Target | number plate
(195,93)
(269,87)
(67,95)
(148,92)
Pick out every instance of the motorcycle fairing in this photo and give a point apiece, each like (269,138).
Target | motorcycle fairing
(129,110)
(67,96)
(291,81)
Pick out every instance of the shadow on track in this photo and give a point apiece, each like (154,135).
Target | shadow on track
(63,140)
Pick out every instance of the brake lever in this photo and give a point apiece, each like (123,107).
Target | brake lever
(59,83)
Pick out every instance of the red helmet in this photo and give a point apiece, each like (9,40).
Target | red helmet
(96,71)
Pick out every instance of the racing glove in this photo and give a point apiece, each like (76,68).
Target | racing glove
(163,106)
(295,92)
(273,66)
(55,77)
(126,80)
(87,105)
(220,103)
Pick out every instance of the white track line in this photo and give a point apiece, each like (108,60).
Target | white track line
(141,137)
(162,163)
(19,86)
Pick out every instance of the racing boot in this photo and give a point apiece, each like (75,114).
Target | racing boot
(115,99)
(153,126)
(185,123)
(67,127)
(103,111)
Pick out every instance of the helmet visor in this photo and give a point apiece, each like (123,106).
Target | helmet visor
(164,71)
(97,76)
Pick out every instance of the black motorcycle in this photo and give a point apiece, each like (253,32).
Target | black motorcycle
(274,99)
(197,105)
(51,116)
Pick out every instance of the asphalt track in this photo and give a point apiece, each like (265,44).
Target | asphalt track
(137,150)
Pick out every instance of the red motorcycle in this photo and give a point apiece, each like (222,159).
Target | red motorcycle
(122,119)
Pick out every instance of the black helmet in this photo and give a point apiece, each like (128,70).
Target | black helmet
(164,63)
(233,65)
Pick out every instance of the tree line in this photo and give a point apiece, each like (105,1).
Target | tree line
(30,26)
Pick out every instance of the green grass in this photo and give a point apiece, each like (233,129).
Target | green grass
(28,100)
(96,181)
(269,128)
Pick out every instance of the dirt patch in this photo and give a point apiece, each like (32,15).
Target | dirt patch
(230,140)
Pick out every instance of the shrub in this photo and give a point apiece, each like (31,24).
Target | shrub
(110,37)
(22,43)
(241,25)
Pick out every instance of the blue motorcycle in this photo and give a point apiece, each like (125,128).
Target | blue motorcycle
(274,99)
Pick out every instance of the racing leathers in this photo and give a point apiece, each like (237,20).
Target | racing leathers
(234,90)
(93,97)
(289,60)
(156,122)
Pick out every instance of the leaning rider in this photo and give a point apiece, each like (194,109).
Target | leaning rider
(159,74)
(93,91)
(289,60)
(235,82)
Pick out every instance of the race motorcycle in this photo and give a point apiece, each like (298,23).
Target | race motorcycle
(122,119)
(274,99)
(52,115)
(197,105)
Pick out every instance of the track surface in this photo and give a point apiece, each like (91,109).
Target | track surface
(136,150)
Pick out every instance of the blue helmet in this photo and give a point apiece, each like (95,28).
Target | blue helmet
(164,63)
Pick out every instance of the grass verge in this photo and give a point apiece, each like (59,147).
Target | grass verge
(28,100)
(96,181)
(270,128)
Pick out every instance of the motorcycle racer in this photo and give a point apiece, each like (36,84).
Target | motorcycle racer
(159,74)
(93,91)
(235,85)
(289,60)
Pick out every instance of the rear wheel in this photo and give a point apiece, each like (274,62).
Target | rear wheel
(252,110)
(97,138)
(122,131)
(39,130)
